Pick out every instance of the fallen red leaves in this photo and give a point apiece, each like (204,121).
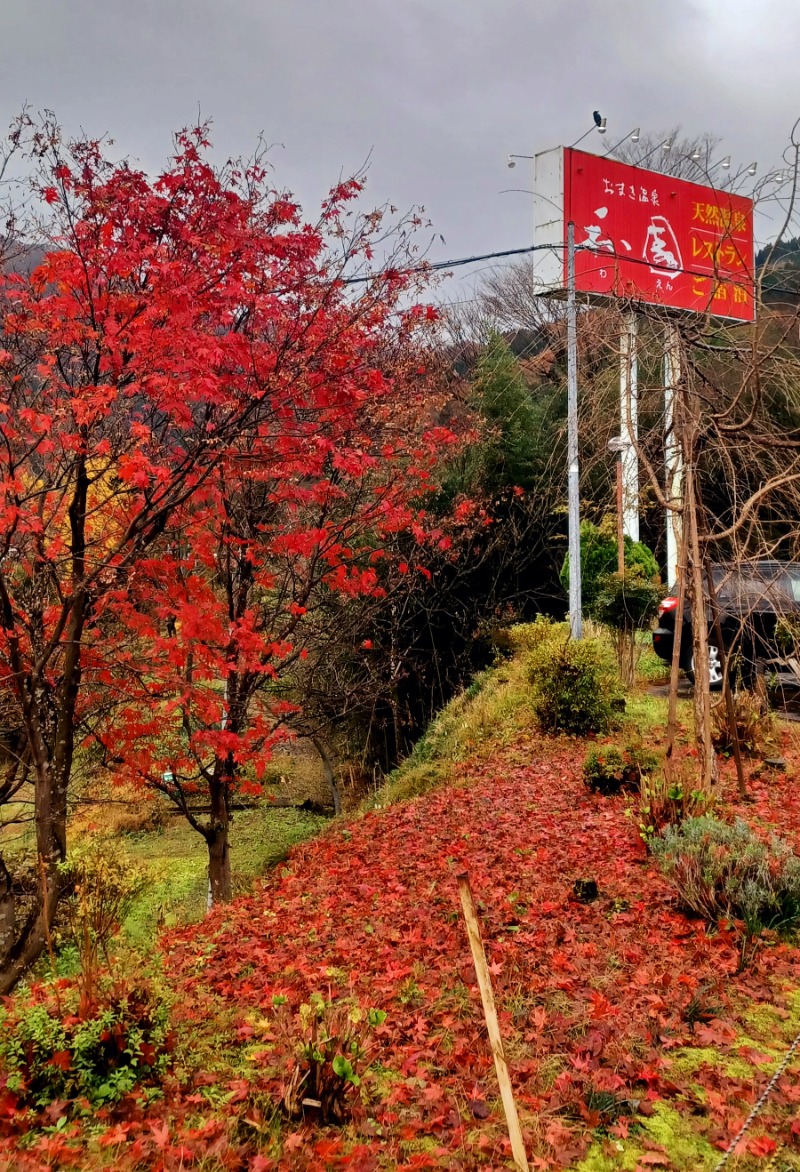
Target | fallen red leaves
(593,998)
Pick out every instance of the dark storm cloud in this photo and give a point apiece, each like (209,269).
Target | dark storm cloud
(439,90)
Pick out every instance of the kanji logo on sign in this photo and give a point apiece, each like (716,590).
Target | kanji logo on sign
(643,236)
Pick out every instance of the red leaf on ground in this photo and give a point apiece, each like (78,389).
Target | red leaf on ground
(762,1145)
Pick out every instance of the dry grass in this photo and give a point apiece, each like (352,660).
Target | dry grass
(755,725)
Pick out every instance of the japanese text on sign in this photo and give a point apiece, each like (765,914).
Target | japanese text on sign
(654,238)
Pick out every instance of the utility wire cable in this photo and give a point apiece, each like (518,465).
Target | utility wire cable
(429,266)
(768,1089)
(459,262)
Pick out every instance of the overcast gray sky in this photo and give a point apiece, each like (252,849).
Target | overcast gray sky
(439,91)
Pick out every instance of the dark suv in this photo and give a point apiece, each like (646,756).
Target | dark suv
(752,597)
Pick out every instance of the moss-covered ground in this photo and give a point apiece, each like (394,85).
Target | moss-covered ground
(175,861)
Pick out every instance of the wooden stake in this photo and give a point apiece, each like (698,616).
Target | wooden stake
(692,506)
(730,707)
(492,1024)
(672,711)
(620,521)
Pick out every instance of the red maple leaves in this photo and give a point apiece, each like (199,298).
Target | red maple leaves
(594,999)
(195,410)
(597,1001)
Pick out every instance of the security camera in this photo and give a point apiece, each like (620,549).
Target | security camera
(511,162)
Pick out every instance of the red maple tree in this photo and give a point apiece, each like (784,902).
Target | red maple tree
(212,635)
(184,384)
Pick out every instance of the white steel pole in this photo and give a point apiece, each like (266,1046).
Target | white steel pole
(629,426)
(573,479)
(673,456)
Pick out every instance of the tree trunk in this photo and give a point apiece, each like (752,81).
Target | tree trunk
(8,910)
(727,695)
(675,666)
(49,723)
(216,834)
(330,775)
(52,766)
(219,865)
(23,939)
(23,943)
(702,691)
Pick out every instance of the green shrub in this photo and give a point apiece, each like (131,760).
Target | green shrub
(608,769)
(103,885)
(575,686)
(526,637)
(599,559)
(664,802)
(49,1051)
(726,872)
(626,602)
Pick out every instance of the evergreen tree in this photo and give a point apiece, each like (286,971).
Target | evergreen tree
(508,456)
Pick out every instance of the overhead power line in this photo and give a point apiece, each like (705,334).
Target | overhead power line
(432,266)
(459,262)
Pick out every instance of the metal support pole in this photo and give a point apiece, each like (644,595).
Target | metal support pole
(573,479)
(629,426)
(673,455)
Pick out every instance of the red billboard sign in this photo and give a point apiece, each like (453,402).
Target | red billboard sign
(648,237)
